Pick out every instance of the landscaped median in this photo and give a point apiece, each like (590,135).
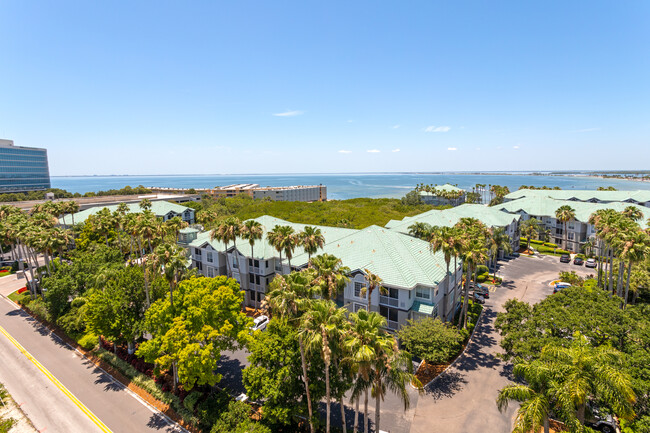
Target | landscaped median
(438,344)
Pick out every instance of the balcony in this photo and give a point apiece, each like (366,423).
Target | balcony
(256,287)
(255,270)
(387,300)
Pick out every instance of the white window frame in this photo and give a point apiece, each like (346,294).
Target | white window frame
(428,289)
(360,286)
(210,272)
(209,257)
(357,306)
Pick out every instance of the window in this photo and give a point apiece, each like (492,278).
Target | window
(210,257)
(235,262)
(356,307)
(210,271)
(251,278)
(197,252)
(358,288)
(423,292)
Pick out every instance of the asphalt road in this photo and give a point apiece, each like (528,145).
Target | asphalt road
(462,400)
(62,391)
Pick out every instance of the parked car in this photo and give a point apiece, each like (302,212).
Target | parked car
(602,422)
(514,254)
(478,298)
(578,261)
(486,295)
(559,286)
(260,322)
(565,258)
(590,263)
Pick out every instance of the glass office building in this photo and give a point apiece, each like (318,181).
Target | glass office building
(22,169)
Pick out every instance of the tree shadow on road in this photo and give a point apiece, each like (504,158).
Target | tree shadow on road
(159,422)
(38,327)
(104,379)
(231,372)
(446,385)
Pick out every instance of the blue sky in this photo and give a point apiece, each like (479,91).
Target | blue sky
(157,87)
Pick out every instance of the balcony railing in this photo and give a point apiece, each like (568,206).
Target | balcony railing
(387,300)
(256,287)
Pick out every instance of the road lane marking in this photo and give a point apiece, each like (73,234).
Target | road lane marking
(57,383)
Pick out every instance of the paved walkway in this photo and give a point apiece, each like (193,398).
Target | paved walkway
(462,400)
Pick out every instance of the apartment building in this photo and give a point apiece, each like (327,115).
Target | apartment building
(162,209)
(444,195)
(275,193)
(490,216)
(416,281)
(638,197)
(579,230)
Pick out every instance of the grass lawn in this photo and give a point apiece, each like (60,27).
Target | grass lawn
(14,296)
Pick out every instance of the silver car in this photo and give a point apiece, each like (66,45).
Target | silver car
(590,263)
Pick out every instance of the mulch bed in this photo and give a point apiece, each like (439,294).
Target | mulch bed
(427,372)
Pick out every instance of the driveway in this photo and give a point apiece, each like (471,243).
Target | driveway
(462,400)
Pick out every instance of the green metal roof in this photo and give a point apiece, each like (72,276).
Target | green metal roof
(159,208)
(639,196)
(444,188)
(422,308)
(546,207)
(400,260)
(490,216)
(188,230)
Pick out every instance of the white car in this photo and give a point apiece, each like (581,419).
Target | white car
(260,322)
(590,263)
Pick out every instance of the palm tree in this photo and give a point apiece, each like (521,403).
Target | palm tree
(283,239)
(473,251)
(421,230)
(564,214)
(392,370)
(252,231)
(147,227)
(442,240)
(312,240)
(585,372)
(530,228)
(145,204)
(172,262)
(535,396)
(498,241)
(331,275)
(636,247)
(289,297)
(320,326)
(373,282)
(71,207)
(366,329)
(633,213)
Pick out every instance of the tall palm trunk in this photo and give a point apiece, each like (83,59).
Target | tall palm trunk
(466,295)
(627,286)
(356,415)
(566,238)
(343,422)
(611,270)
(306,381)
(365,412)
(327,395)
(377,402)
(32,289)
(445,298)
(619,279)
(546,425)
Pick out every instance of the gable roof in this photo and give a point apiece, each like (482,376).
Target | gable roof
(640,196)
(546,207)
(159,208)
(490,216)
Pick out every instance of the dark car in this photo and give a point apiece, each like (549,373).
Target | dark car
(514,254)
(601,422)
(478,298)
(486,295)
(578,261)
(565,258)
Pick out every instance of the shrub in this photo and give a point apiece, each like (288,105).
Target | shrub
(550,244)
(482,269)
(89,341)
(191,399)
(431,339)
(209,410)
(39,309)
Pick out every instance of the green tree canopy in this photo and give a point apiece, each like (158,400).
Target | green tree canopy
(431,339)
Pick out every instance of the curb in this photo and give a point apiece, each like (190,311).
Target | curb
(171,423)
(460,355)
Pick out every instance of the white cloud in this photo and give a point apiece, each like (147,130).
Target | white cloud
(395,150)
(515,147)
(345,151)
(373,151)
(437,129)
(289,113)
(452,148)
(586,130)
(350,121)
(396,126)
